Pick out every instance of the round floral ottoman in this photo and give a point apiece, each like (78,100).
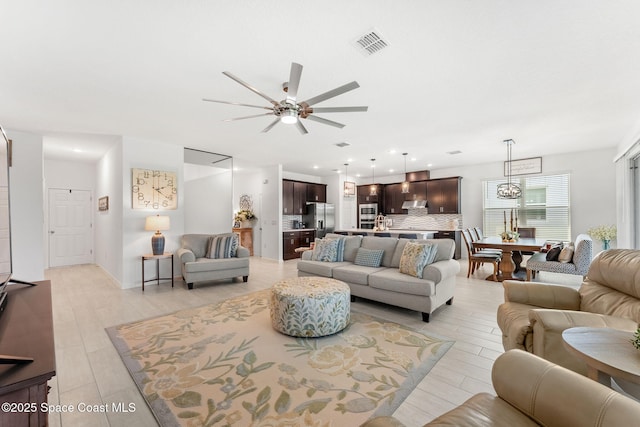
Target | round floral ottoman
(310,306)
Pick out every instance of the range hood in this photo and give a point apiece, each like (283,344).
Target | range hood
(414,204)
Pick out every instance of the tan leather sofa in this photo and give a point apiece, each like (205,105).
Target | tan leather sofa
(534,392)
(534,315)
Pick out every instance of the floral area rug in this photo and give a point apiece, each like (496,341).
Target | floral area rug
(223,364)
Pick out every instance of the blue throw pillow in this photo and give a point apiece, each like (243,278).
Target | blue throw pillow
(369,257)
(325,250)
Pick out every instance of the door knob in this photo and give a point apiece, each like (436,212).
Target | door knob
(52,232)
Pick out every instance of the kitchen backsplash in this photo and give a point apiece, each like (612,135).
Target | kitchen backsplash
(289,220)
(420,219)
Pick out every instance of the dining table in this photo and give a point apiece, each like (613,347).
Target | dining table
(511,253)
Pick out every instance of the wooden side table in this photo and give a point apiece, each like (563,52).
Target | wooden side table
(166,255)
(607,353)
(246,238)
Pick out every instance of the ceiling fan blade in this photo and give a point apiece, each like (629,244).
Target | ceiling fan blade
(337,109)
(301,128)
(237,103)
(330,94)
(248,117)
(294,82)
(325,121)
(251,88)
(273,123)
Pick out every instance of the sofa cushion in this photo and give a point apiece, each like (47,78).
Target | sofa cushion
(319,268)
(387,244)
(415,256)
(210,264)
(356,274)
(223,246)
(351,245)
(369,257)
(390,279)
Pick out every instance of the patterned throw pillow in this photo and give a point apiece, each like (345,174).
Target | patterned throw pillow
(415,257)
(369,257)
(341,242)
(223,246)
(325,250)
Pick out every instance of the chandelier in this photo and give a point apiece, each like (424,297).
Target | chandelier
(509,190)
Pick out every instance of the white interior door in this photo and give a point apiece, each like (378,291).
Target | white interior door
(70,228)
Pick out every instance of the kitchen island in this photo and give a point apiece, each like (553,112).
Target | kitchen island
(422,234)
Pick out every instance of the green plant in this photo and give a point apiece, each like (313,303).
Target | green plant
(636,339)
(603,232)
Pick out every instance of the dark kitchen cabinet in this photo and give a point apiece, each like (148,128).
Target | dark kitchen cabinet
(299,198)
(364,194)
(294,197)
(417,191)
(317,193)
(291,240)
(443,195)
(393,199)
(287,197)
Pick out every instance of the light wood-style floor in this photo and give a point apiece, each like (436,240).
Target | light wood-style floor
(89,371)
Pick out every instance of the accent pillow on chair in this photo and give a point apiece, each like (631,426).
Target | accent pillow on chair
(554,252)
(223,246)
(566,254)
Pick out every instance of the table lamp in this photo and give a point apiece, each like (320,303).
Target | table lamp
(157,223)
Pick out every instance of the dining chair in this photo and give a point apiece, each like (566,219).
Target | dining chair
(527,232)
(476,259)
(476,234)
(407,236)
(359,233)
(342,233)
(382,234)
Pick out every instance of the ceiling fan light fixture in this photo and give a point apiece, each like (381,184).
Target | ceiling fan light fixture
(289,117)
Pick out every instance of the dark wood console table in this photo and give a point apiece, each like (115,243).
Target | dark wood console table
(26,329)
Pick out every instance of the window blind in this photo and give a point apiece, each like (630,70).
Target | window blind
(545,205)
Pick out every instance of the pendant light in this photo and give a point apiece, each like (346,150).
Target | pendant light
(405,184)
(509,190)
(373,190)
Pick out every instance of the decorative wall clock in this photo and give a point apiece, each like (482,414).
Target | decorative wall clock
(153,189)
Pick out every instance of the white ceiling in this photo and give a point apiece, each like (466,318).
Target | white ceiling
(556,76)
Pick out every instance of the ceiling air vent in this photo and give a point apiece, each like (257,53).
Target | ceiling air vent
(371,42)
(342,144)
(454,152)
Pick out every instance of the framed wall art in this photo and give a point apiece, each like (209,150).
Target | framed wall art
(103,203)
(524,166)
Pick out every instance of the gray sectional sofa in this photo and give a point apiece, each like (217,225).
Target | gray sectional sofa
(196,267)
(386,283)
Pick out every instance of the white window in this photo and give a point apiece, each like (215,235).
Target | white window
(544,205)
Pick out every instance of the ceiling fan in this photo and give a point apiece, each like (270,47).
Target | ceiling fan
(289,110)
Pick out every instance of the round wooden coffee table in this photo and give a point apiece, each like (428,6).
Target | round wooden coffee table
(607,352)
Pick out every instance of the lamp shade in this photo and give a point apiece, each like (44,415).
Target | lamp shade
(157,223)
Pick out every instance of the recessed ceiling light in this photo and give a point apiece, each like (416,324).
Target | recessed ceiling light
(358,175)
(349,160)
(315,166)
(390,170)
(392,151)
(77,150)
(429,165)
(413,159)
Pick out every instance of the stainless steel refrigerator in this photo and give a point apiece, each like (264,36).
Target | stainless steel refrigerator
(320,216)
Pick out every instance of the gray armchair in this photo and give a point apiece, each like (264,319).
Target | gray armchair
(198,265)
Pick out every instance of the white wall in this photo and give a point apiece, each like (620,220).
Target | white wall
(592,184)
(26,198)
(70,175)
(137,153)
(208,206)
(271,202)
(108,224)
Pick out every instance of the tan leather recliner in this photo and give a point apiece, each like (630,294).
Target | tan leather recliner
(534,315)
(532,392)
